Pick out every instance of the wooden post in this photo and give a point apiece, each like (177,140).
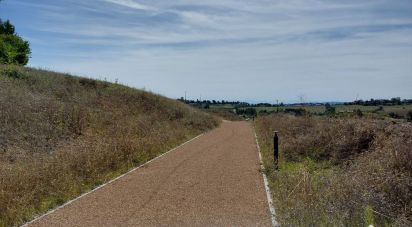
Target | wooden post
(276,149)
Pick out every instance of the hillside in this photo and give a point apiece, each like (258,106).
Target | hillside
(62,135)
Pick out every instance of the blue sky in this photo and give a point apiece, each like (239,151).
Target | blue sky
(256,50)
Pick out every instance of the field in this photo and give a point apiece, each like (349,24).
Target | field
(400,110)
(345,171)
(62,135)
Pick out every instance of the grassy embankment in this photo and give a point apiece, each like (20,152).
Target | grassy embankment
(61,136)
(339,171)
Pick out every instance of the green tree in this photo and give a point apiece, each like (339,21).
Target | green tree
(6,28)
(13,49)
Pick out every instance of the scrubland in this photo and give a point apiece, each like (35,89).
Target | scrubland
(346,171)
(61,136)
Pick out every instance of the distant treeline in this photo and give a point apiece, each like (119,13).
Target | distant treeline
(371,102)
(380,102)
(212,102)
(224,102)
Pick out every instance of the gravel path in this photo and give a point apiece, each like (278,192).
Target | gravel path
(211,181)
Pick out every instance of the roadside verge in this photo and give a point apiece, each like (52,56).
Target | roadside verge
(267,189)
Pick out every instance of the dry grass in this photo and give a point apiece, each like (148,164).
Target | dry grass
(340,171)
(62,135)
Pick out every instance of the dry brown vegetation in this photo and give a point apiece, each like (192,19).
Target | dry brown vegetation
(339,171)
(62,135)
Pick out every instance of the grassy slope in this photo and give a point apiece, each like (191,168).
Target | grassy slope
(339,172)
(62,135)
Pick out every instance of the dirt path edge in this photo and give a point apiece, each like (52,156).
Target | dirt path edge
(266,183)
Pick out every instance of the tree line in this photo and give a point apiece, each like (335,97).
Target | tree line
(380,102)
(371,102)
(224,102)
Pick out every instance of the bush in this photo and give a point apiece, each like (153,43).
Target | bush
(409,116)
(394,115)
(90,83)
(297,112)
(380,108)
(329,110)
(250,112)
(12,72)
(13,49)
(358,112)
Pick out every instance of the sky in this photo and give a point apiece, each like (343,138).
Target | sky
(255,50)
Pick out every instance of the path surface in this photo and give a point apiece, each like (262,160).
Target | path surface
(211,181)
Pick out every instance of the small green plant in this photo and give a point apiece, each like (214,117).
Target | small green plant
(329,110)
(90,83)
(369,217)
(394,115)
(12,72)
(358,113)
(409,116)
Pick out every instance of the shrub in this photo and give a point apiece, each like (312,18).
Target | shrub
(409,116)
(358,112)
(329,109)
(297,112)
(394,115)
(249,112)
(90,83)
(13,49)
(12,72)
(380,108)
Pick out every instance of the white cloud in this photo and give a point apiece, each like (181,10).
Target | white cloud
(222,48)
(131,4)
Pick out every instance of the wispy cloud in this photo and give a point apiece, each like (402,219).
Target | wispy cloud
(131,4)
(280,48)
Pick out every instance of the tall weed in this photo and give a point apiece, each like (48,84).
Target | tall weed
(339,171)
